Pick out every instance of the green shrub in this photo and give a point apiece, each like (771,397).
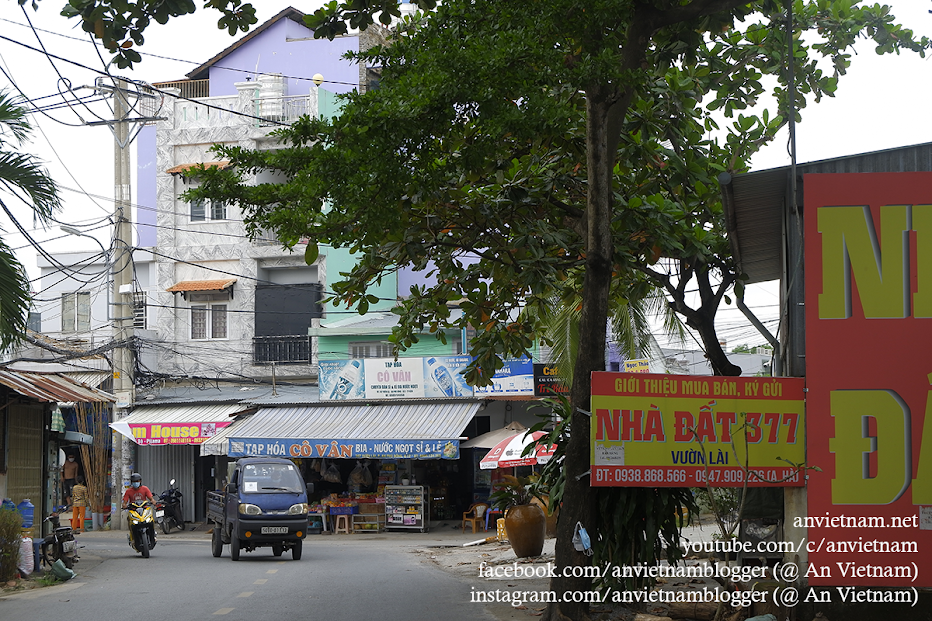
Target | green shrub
(11,523)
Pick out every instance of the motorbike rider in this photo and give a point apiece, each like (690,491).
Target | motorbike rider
(136,492)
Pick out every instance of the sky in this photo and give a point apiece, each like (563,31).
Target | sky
(881,103)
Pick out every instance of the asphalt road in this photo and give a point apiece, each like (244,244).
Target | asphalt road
(340,577)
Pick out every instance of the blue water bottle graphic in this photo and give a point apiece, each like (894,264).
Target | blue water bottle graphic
(348,378)
(441,376)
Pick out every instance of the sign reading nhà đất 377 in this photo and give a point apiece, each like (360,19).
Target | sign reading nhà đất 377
(684,431)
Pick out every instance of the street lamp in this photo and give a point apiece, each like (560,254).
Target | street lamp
(73,231)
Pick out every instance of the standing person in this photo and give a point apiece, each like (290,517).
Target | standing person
(69,471)
(79,495)
(136,492)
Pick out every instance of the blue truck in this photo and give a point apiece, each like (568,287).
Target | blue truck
(263,506)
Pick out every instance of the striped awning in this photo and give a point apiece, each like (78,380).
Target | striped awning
(415,430)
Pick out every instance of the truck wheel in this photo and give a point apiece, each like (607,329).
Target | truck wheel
(216,543)
(234,548)
(296,550)
(277,550)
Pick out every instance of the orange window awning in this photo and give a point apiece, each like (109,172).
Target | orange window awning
(186,286)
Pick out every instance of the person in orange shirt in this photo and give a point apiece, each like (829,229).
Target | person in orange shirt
(69,473)
(79,499)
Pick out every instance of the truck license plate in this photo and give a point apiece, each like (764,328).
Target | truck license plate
(274,530)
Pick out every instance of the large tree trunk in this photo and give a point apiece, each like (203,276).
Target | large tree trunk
(578,500)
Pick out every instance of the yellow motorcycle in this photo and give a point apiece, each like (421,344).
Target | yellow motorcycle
(141,527)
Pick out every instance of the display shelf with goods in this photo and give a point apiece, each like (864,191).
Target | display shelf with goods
(371,516)
(407,507)
(335,505)
(387,474)
(316,520)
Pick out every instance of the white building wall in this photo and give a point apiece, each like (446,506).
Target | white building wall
(212,250)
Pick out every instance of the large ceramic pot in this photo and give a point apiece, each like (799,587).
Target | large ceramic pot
(526,526)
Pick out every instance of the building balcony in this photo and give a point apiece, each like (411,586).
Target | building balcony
(293,349)
(261,103)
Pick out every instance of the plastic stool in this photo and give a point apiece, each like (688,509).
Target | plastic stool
(343,525)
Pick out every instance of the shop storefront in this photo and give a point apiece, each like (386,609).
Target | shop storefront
(168,439)
(384,465)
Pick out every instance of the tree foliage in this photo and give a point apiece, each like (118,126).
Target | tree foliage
(22,177)
(521,152)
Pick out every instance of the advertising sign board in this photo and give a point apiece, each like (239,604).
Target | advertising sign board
(868,261)
(387,378)
(651,430)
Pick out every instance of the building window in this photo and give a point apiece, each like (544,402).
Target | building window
(208,321)
(139,310)
(201,209)
(76,311)
(371,349)
(205,209)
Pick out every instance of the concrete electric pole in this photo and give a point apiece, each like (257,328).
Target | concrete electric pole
(123,302)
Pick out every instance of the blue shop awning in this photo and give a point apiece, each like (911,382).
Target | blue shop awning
(419,430)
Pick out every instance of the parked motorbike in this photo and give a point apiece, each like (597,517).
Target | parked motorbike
(60,544)
(168,509)
(141,527)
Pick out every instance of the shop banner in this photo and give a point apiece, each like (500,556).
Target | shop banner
(345,448)
(868,259)
(387,378)
(514,379)
(650,430)
(151,434)
(548,382)
(637,366)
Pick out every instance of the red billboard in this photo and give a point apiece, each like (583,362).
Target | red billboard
(868,274)
(651,430)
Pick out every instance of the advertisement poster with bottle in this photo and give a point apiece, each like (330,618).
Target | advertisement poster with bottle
(341,380)
(387,378)
(515,378)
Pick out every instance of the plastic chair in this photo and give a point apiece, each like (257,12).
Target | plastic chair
(491,516)
(475,515)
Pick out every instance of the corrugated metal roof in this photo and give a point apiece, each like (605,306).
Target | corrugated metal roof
(52,387)
(435,420)
(92,378)
(755,202)
(202,285)
(190,413)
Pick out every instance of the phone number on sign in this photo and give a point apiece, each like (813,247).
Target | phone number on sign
(690,476)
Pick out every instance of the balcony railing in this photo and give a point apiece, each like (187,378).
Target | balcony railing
(277,110)
(294,349)
(190,89)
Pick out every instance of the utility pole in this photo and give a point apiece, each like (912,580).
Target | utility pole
(122,296)
(123,361)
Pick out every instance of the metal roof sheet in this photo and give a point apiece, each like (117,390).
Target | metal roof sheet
(755,202)
(435,420)
(190,413)
(52,387)
(92,378)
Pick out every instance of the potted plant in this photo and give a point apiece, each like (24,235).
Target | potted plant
(525,522)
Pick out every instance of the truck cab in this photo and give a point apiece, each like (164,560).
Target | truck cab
(263,506)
